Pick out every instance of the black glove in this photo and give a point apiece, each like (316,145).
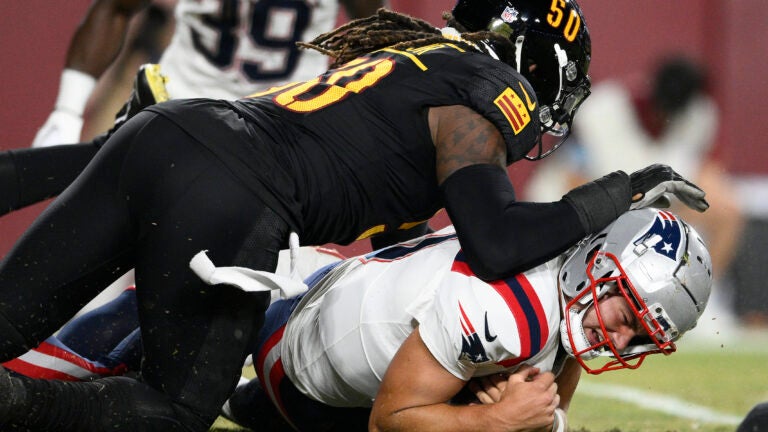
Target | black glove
(651,184)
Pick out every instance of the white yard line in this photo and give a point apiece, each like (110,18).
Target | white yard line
(658,402)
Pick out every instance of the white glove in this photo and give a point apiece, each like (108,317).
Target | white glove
(652,185)
(65,123)
(245,279)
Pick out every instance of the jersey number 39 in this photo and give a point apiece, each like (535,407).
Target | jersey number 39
(271,33)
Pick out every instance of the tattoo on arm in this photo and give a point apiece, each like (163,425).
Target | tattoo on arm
(462,138)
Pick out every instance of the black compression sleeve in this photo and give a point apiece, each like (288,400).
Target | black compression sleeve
(601,201)
(499,235)
(31,175)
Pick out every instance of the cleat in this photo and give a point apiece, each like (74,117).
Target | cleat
(226,410)
(148,89)
(250,406)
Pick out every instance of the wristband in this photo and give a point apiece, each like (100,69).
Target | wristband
(600,202)
(561,421)
(75,88)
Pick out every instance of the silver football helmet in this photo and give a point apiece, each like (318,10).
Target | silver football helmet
(658,263)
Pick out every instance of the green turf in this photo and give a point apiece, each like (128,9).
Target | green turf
(223,424)
(726,378)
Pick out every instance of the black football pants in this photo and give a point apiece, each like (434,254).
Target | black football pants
(150,199)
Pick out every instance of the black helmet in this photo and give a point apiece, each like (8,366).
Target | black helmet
(552,51)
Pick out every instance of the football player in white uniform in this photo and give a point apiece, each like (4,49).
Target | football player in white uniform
(223,49)
(405,328)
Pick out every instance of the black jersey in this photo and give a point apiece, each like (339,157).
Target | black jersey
(349,154)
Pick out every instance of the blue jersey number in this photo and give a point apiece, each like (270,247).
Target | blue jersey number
(274,27)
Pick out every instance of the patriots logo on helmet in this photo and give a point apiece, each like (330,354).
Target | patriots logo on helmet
(471,346)
(667,227)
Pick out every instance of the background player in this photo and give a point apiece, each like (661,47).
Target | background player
(667,114)
(219,49)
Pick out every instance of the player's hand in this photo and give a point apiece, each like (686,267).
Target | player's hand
(651,185)
(559,425)
(528,401)
(62,127)
(488,389)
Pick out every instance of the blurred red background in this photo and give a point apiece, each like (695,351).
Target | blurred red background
(627,36)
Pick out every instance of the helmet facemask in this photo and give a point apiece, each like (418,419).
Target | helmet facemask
(654,262)
(659,330)
(560,82)
(548,43)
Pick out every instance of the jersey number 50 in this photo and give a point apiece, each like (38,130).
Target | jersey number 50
(556,15)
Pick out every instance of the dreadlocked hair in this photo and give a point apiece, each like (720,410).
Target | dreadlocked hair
(451,22)
(390,29)
(503,47)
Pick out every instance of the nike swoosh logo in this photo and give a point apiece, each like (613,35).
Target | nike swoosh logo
(528,102)
(488,336)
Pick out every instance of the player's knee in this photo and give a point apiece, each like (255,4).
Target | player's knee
(147,409)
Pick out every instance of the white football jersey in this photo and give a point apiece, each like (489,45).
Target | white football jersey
(342,336)
(228,49)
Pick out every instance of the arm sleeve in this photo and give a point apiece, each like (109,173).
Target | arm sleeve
(31,175)
(499,235)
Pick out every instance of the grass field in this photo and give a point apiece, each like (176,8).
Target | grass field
(707,386)
(702,387)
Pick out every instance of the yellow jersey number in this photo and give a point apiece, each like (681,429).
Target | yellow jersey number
(556,16)
(353,77)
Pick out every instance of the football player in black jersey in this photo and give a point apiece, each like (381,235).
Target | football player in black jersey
(409,119)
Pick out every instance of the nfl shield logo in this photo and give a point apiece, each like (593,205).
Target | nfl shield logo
(510,14)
